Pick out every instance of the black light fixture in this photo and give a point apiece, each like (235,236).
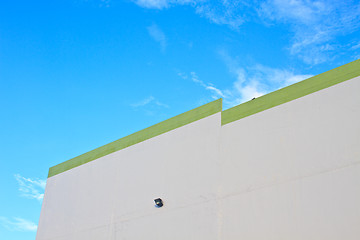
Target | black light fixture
(158,202)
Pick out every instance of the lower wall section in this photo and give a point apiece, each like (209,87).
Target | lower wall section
(192,222)
(324,206)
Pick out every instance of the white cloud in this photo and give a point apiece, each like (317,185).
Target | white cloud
(291,79)
(222,12)
(225,12)
(315,24)
(300,11)
(249,82)
(245,92)
(143,102)
(183,75)
(18,224)
(158,35)
(257,80)
(159,4)
(276,77)
(215,92)
(149,101)
(356,46)
(30,188)
(149,106)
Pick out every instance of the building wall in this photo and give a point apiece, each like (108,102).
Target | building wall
(293,171)
(289,172)
(112,197)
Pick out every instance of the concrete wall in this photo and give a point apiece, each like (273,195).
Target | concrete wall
(112,197)
(293,172)
(289,172)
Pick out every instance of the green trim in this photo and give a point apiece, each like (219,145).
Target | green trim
(297,90)
(140,136)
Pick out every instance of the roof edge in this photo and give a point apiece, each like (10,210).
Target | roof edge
(292,92)
(140,136)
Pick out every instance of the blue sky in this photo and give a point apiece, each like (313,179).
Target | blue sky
(77,74)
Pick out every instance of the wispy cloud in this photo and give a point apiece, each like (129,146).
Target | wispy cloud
(31,188)
(18,224)
(223,12)
(158,35)
(315,25)
(249,82)
(150,106)
(240,91)
(215,92)
(149,101)
(154,4)
(143,102)
(355,46)
(232,13)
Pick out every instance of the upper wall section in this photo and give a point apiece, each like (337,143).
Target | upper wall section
(147,133)
(292,92)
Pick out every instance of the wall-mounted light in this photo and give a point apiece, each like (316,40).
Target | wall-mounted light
(158,202)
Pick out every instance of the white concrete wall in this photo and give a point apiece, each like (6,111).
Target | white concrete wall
(112,197)
(290,172)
